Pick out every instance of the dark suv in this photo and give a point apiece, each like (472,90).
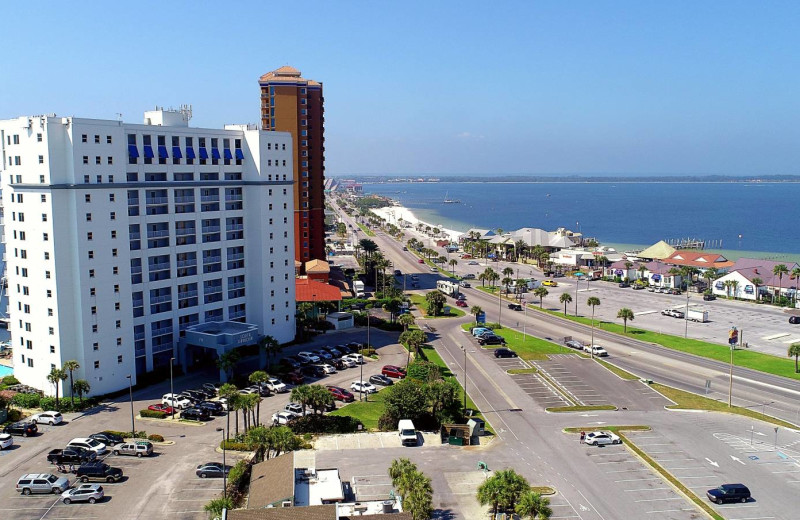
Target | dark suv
(491,340)
(22,428)
(729,493)
(98,471)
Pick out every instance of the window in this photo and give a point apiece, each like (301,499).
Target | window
(116,306)
(49,293)
(41,159)
(113,233)
(52,349)
(97,159)
(44,217)
(44,198)
(119,342)
(51,331)
(41,181)
(97,139)
(119,324)
(116,288)
(47,255)
(84,138)
(108,139)
(96,346)
(38,138)
(91,255)
(87,198)
(92,291)
(114,252)
(94,328)
(94,310)
(47,274)
(119,360)
(88,217)
(89,235)
(96,365)
(91,273)
(113,215)
(110,160)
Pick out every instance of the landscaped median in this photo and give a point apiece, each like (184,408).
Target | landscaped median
(526,346)
(366,230)
(421,304)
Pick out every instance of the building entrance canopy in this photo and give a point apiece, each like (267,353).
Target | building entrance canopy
(221,336)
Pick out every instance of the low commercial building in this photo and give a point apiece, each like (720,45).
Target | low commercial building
(752,279)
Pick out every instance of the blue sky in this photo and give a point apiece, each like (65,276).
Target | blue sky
(420,87)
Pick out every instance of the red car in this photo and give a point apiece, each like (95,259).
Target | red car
(461,303)
(393,371)
(296,378)
(158,407)
(340,394)
(420,261)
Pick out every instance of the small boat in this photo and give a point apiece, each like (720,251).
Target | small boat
(448,200)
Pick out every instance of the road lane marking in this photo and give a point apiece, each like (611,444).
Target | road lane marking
(776,336)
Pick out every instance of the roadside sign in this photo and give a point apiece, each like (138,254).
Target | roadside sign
(480,318)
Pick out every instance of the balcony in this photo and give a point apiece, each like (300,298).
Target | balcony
(237,314)
(212,260)
(162,331)
(187,263)
(157,200)
(235,256)
(133,202)
(161,266)
(136,269)
(237,285)
(183,200)
(157,233)
(212,290)
(211,229)
(160,299)
(139,336)
(209,198)
(185,231)
(187,294)
(132,236)
(231,198)
(138,303)
(234,227)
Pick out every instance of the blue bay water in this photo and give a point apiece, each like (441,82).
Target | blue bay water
(764,214)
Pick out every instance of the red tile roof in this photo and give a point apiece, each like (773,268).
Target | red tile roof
(307,290)
(698,259)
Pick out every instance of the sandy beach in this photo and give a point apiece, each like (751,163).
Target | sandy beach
(394,214)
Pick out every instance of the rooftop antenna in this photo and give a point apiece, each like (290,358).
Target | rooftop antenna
(186,110)
(119,117)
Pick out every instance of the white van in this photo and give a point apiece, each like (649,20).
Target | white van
(407,432)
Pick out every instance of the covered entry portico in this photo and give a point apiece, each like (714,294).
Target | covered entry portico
(219,336)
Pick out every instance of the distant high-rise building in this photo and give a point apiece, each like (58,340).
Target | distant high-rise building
(290,103)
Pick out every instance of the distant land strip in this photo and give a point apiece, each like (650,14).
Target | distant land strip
(571,178)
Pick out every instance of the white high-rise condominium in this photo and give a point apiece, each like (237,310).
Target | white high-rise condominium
(120,237)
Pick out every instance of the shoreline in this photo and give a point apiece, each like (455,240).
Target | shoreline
(393,214)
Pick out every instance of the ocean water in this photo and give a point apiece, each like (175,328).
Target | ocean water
(744,219)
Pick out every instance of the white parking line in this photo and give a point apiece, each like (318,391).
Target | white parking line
(659,499)
(670,510)
(646,489)
(638,479)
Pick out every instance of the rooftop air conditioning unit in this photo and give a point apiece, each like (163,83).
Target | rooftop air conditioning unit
(286,503)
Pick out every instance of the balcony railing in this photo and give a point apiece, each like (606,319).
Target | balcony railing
(187,263)
(187,294)
(157,233)
(160,299)
(162,266)
(162,331)
(212,260)
(157,200)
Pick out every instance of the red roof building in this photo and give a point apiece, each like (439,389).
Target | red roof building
(307,290)
(699,259)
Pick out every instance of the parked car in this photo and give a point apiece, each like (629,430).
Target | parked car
(194,395)
(550,283)
(729,493)
(308,357)
(393,371)
(88,443)
(284,417)
(294,408)
(515,306)
(794,319)
(328,369)
(161,408)
(98,471)
(624,284)
(295,377)
(468,276)
(289,363)
(675,290)
(24,428)
(324,355)
(84,493)
(362,387)
(666,312)
(50,418)
(211,470)
(107,438)
(358,359)
(138,448)
(638,286)
(6,441)
(711,297)
(276,385)
(434,269)
(335,352)
(176,401)
(338,364)
(41,483)
(678,314)
(212,407)
(347,362)
(491,340)
(73,455)
(504,353)
(212,387)
(312,371)
(485,334)
(340,394)
(602,438)
(195,414)
(260,389)
(355,347)
(596,350)
(465,285)
(472,262)
(476,331)
(381,380)
(461,303)
(572,343)
(300,360)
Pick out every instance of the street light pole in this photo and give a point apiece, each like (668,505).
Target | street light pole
(465,381)
(361,362)
(730,386)
(577,282)
(130,389)
(224,467)
(171,390)
(686,315)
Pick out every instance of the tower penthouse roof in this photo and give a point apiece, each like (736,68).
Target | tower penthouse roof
(286,74)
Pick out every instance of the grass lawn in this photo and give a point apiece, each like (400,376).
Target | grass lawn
(624,374)
(420,303)
(526,346)
(741,357)
(366,230)
(367,412)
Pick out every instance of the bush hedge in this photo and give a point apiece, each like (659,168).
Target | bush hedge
(26,400)
(153,414)
(9,380)
(14,415)
(235,446)
(155,437)
(325,424)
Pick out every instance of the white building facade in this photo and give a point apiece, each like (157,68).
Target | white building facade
(120,236)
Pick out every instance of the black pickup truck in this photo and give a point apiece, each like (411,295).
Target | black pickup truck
(70,456)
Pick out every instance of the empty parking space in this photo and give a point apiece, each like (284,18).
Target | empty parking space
(540,391)
(511,363)
(638,484)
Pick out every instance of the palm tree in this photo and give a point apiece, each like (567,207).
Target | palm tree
(418,499)
(519,249)
(406,320)
(227,362)
(81,387)
(728,284)
(269,346)
(56,376)
(541,292)
(795,276)
(533,505)
(641,268)
(565,298)
(794,350)
(507,282)
(482,278)
(258,377)
(503,489)
(229,392)
(217,506)
(757,281)
(319,398)
(780,270)
(398,470)
(301,394)
(592,302)
(71,365)
(625,314)
(475,310)
(453,263)
(735,287)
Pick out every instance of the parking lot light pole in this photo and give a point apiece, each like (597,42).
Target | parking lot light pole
(577,282)
(171,390)
(730,385)
(224,473)
(130,389)
(686,315)
(361,363)
(465,380)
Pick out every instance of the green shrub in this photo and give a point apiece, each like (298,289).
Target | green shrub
(387,422)
(234,445)
(307,436)
(155,437)
(325,424)
(26,400)
(153,414)
(239,474)
(49,403)
(10,380)
(14,415)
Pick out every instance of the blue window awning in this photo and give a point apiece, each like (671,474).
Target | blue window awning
(239,154)
(190,152)
(203,153)
(133,152)
(214,153)
(148,152)
(162,152)
(227,154)
(176,152)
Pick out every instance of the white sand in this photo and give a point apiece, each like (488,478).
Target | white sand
(394,214)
